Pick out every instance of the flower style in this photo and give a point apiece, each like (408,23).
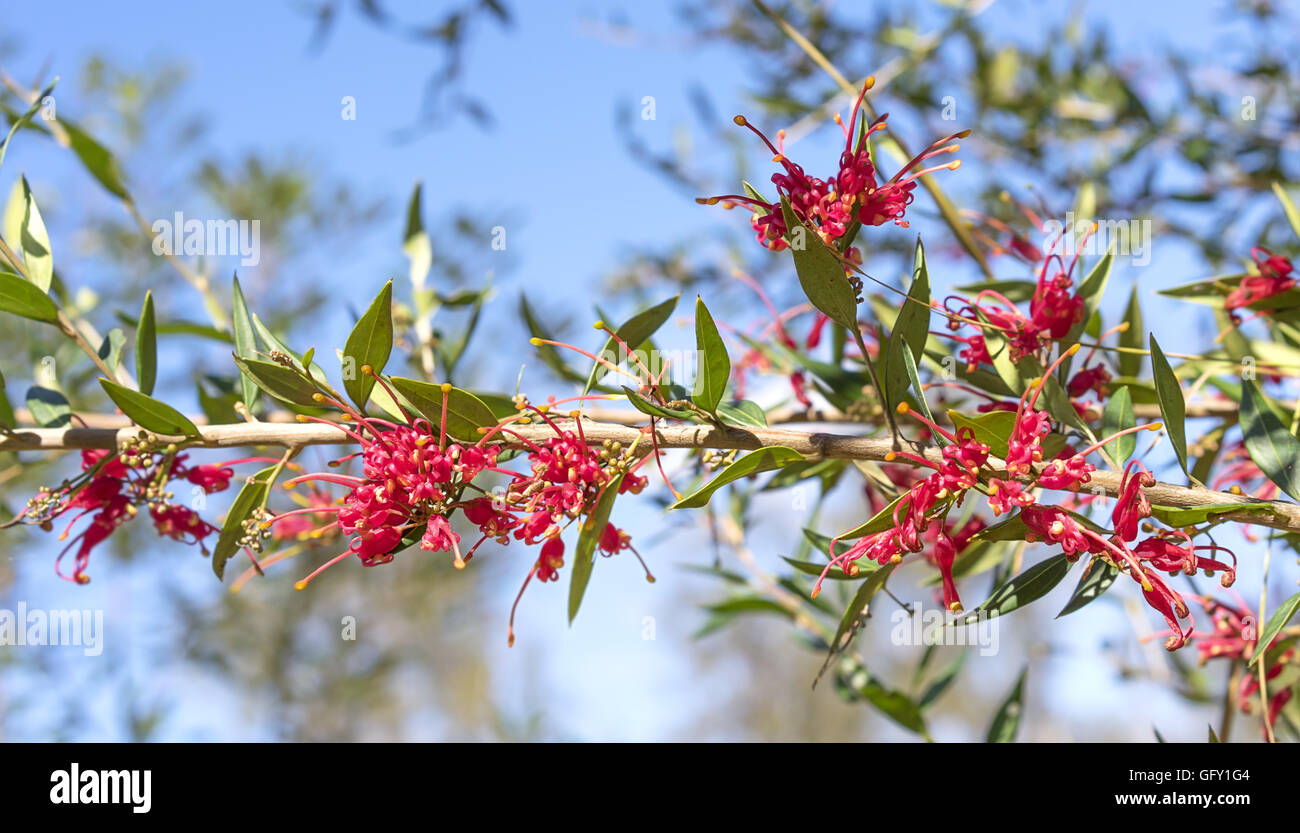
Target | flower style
(854,195)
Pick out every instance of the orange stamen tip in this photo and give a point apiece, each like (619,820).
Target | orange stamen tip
(1074,348)
(599,325)
(650,579)
(740,120)
(320,397)
(956,607)
(368,370)
(891,456)
(903,407)
(954,164)
(814,593)
(869,83)
(1156,426)
(1122,327)
(963,135)
(445,387)
(536,342)
(300,585)
(302,418)
(895,559)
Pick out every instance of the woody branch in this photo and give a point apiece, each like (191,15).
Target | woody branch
(1274,514)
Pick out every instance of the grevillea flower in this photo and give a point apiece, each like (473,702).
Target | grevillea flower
(1235,636)
(1132,505)
(1273,278)
(855,194)
(112,489)
(414,479)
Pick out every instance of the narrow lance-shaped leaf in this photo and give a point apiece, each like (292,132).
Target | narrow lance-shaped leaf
(251,496)
(26,299)
(48,407)
(634,332)
(1276,623)
(25,231)
(713,364)
(1172,405)
(279,381)
(369,343)
(245,342)
(584,556)
(821,273)
(101,164)
(1099,578)
(1117,417)
(910,332)
(146,347)
(1006,723)
(466,413)
(149,413)
(764,459)
(1027,587)
(1271,446)
(25,118)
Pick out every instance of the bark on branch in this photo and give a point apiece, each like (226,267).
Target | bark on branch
(1274,514)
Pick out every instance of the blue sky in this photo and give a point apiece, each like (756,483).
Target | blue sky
(554,161)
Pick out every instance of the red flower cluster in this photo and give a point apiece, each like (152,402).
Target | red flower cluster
(853,195)
(413,480)
(112,489)
(1273,278)
(1236,637)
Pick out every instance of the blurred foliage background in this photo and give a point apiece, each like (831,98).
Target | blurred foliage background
(1159,132)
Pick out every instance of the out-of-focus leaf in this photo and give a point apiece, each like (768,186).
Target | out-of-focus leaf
(1097,580)
(1285,612)
(1006,723)
(1270,444)
(24,298)
(25,231)
(1027,587)
(101,164)
(634,332)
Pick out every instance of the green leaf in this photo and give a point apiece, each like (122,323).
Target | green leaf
(110,348)
(945,679)
(1276,623)
(743,414)
(993,428)
(1270,444)
(25,231)
(714,365)
(895,705)
(149,413)
(466,413)
(1027,587)
(252,495)
(369,343)
(1097,580)
(549,353)
(1177,516)
(584,556)
(98,161)
(821,274)
(285,384)
(645,406)
(635,331)
(764,459)
(25,118)
(875,580)
(915,380)
(1006,723)
(7,419)
(1130,364)
(49,407)
(146,347)
(415,241)
(910,332)
(1292,215)
(812,568)
(22,297)
(1117,417)
(245,342)
(1173,407)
